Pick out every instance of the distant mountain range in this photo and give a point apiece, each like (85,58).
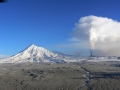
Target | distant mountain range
(37,54)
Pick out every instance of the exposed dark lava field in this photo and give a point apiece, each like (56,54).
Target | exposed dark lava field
(60,76)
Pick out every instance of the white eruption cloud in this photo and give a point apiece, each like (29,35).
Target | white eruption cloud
(103,34)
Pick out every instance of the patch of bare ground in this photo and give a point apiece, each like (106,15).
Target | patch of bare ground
(41,77)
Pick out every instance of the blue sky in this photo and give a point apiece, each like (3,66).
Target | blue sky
(48,23)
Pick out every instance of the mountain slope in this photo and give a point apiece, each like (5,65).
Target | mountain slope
(34,54)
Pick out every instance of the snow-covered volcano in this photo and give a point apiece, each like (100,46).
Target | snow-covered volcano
(34,54)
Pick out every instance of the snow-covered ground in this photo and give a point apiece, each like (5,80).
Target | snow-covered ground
(101,59)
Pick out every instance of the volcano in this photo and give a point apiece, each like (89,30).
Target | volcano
(34,54)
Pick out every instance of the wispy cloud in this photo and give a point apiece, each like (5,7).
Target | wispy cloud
(3,56)
(74,39)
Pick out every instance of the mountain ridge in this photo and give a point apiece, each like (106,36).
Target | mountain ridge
(32,53)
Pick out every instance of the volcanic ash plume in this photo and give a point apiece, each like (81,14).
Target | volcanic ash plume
(103,34)
(93,38)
